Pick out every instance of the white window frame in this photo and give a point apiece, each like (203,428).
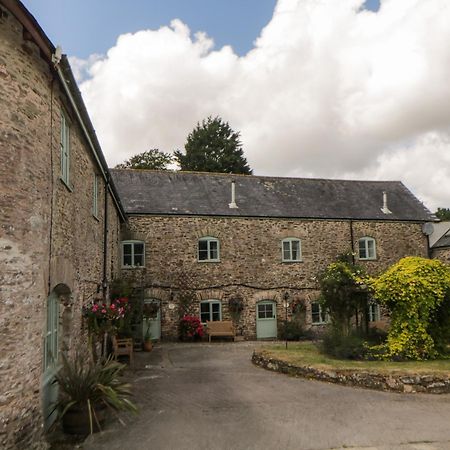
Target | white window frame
(290,241)
(64,144)
(132,243)
(368,257)
(264,304)
(95,196)
(323,315)
(208,240)
(374,312)
(210,303)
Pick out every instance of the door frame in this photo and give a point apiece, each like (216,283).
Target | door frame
(262,320)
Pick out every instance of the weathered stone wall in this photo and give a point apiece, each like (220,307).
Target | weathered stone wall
(443,254)
(429,383)
(48,235)
(250,259)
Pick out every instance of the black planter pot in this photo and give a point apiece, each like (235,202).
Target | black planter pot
(76,419)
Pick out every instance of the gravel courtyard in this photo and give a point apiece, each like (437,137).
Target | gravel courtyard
(210,396)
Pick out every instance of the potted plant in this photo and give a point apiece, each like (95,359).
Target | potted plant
(87,391)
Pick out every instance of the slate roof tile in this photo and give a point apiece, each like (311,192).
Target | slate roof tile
(193,193)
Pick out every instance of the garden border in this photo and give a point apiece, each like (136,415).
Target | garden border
(426,383)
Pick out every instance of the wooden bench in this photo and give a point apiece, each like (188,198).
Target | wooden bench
(123,347)
(222,328)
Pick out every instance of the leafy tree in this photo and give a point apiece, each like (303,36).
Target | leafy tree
(443,213)
(213,147)
(414,290)
(342,294)
(152,159)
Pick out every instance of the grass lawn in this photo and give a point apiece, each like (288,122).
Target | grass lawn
(308,354)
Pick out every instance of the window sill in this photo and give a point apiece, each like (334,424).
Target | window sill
(367,259)
(69,188)
(208,260)
(132,267)
(288,261)
(319,323)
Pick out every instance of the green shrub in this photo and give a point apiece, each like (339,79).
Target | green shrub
(351,346)
(343,293)
(292,331)
(414,291)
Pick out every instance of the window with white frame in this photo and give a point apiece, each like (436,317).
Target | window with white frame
(65,149)
(266,310)
(210,311)
(374,312)
(133,254)
(291,250)
(208,249)
(367,248)
(95,196)
(318,314)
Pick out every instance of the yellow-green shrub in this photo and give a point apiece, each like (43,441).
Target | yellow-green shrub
(413,290)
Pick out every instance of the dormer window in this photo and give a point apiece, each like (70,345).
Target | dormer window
(133,254)
(291,250)
(367,248)
(208,249)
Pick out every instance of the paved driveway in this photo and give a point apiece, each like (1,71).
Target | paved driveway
(210,396)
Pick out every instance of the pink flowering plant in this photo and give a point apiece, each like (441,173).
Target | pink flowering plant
(102,318)
(190,328)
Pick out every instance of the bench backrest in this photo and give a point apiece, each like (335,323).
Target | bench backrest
(220,326)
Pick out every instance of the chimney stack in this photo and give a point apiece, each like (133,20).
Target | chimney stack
(233,205)
(385,208)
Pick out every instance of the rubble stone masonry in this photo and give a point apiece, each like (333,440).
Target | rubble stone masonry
(251,261)
(48,235)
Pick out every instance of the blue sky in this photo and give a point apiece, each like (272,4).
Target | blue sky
(84,27)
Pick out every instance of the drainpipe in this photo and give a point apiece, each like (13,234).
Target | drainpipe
(352,244)
(105,242)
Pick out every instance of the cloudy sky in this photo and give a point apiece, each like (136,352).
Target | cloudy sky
(319,88)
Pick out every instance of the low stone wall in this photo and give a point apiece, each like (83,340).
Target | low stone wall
(431,384)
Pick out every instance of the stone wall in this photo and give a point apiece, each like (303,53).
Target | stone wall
(250,259)
(48,236)
(443,254)
(394,381)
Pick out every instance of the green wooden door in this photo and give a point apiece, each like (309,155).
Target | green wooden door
(50,388)
(266,320)
(155,323)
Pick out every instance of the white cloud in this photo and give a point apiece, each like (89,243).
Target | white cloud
(329,91)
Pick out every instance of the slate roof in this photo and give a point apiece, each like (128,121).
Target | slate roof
(208,194)
(441,235)
(444,241)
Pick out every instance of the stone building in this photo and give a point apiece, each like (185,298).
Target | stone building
(440,241)
(261,239)
(59,223)
(64,234)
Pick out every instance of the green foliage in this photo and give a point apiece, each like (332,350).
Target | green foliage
(351,346)
(88,384)
(213,147)
(292,331)
(342,293)
(413,290)
(443,213)
(152,159)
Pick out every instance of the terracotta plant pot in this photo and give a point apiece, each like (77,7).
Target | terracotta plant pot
(76,419)
(148,346)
